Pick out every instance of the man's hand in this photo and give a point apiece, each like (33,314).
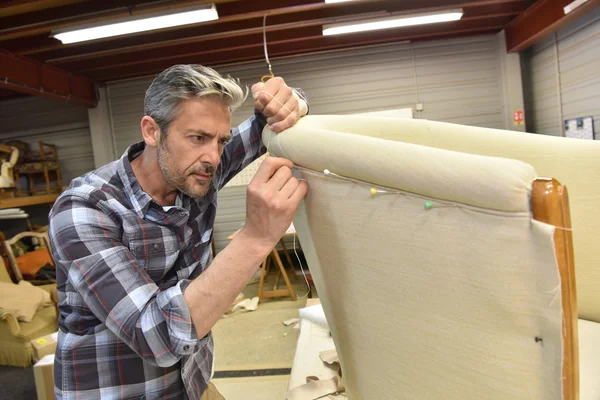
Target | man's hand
(279,103)
(272,199)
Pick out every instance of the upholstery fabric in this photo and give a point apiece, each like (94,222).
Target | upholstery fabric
(573,162)
(458,299)
(23,300)
(16,350)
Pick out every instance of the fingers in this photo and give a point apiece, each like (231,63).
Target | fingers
(282,104)
(269,167)
(287,115)
(278,103)
(257,87)
(289,188)
(286,123)
(280,178)
(299,193)
(269,97)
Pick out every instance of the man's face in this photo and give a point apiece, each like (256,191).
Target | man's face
(189,155)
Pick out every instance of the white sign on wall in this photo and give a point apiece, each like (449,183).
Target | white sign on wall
(580,128)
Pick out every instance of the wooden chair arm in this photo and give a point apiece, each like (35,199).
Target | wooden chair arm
(12,321)
(47,149)
(550,204)
(5,148)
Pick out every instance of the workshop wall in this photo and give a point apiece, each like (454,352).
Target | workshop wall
(457,81)
(564,77)
(32,119)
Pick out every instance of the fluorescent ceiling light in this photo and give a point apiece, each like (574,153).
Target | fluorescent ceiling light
(139,25)
(393,22)
(337,1)
(576,4)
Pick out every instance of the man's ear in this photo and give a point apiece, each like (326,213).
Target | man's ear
(150,131)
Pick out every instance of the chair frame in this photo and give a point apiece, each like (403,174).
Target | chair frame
(550,204)
(14,266)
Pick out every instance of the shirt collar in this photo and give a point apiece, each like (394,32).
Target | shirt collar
(140,200)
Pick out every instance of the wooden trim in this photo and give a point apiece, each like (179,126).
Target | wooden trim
(14,265)
(26,75)
(550,204)
(541,20)
(17,202)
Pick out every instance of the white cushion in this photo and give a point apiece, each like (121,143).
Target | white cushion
(589,360)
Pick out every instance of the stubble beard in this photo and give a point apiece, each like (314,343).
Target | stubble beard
(181,181)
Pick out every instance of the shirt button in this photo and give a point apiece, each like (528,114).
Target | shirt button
(186,347)
(156,246)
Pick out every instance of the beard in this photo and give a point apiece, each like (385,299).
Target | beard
(186,182)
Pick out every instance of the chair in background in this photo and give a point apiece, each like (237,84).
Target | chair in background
(26,265)
(9,156)
(16,336)
(32,164)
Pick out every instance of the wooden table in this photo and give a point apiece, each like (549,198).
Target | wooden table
(274,257)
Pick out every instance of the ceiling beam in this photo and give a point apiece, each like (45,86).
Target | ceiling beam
(540,20)
(165,41)
(24,75)
(222,42)
(88,14)
(306,40)
(17,7)
(230,12)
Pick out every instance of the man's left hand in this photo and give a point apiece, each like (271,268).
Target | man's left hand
(279,103)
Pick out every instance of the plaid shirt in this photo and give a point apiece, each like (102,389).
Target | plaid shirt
(123,262)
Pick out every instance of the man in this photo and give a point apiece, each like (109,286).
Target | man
(138,291)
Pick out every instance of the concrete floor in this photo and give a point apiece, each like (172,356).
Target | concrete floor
(254,350)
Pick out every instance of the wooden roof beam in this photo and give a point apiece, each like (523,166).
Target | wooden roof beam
(21,74)
(250,49)
(540,20)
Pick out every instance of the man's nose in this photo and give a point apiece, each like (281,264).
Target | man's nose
(213,155)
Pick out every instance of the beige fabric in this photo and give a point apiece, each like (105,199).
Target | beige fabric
(433,303)
(23,300)
(470,180)
(575,163)
(589,360)
(211,393)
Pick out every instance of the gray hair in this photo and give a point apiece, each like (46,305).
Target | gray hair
(188,81)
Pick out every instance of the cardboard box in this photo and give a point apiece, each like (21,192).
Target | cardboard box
(44,346)
(43,372)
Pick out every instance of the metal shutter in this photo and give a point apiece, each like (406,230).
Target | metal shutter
(564,72)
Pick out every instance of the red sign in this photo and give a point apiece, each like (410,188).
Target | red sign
(518,117)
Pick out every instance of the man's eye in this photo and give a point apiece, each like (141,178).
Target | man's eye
(198,138)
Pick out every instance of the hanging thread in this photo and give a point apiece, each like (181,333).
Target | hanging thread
(301,269)
(266,77)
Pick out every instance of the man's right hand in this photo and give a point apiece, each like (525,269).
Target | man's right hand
(272,199)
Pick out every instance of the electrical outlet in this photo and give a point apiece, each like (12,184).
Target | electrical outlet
(419,107)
